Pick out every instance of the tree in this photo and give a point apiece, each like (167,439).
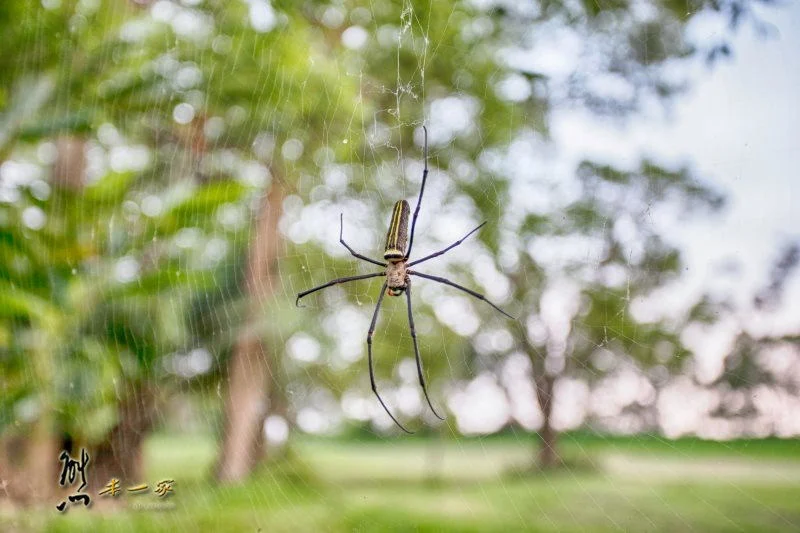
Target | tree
(591,326)
(240,108)
(95,276)
(196,116)
(759,382)
(489,73)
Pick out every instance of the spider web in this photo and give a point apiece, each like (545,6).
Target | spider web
(508,387)
(476,372)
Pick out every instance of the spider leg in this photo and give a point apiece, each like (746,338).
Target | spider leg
(369,352)
(353,252)
(336,282)
(416,352)
(421,191)
(457,286)
(440,252)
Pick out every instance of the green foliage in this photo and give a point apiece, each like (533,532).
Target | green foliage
(93,330)
(82,69)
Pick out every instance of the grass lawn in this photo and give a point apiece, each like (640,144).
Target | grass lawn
(630,484)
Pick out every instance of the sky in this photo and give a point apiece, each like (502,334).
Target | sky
(739,128)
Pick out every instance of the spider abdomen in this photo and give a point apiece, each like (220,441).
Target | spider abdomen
(398,233)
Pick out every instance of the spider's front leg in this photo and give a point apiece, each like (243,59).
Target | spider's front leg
(421,192)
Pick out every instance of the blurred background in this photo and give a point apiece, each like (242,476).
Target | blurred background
(172,174)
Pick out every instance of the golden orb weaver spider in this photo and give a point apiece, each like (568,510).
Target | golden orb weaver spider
(398,277)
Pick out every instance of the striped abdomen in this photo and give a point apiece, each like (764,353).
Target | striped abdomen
(398,232)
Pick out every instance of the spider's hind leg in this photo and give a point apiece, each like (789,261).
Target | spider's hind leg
(446,281)
(413,331)
(369,353)
(336,282)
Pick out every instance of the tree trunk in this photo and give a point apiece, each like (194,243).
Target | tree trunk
(120,456)
(29,465)
(69,170)
(249,367)
(548,456)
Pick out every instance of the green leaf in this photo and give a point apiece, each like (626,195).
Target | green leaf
(162,280)
(19,303)
(75,123)
(111,189)
(201,205)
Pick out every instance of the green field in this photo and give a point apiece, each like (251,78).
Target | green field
(614,484)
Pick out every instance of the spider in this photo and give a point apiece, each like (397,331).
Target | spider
(398,274)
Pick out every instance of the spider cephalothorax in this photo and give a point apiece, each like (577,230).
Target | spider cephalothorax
(398,277)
